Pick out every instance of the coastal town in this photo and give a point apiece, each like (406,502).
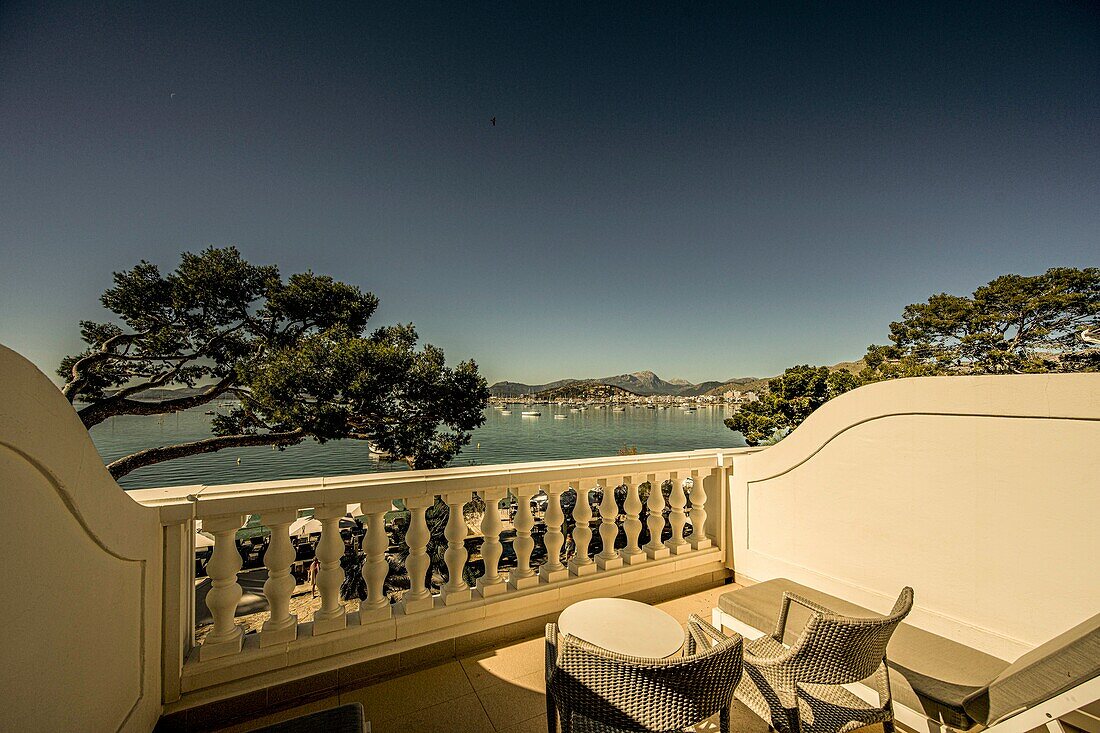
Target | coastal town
(622,399)
(599,395)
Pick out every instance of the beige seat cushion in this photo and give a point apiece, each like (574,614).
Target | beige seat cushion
(1049,669)
(929,673)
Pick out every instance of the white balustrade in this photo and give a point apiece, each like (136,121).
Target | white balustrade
(375,625)
(655,521)
(522,576)
(677,519)
(632,554)
(581,564)
(553,570)
(455,590)
(698,515)
(609,557)
(419,596)
(225,592)
(491,582)
(332,615)
(376,607)
(282,626)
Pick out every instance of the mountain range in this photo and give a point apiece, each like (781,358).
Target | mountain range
(648,383)
(643,383)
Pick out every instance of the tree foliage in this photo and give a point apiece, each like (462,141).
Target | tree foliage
(294,352)
(1015,324)
(789,399)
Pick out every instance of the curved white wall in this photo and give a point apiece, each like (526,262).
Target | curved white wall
(983,493)
(82,641)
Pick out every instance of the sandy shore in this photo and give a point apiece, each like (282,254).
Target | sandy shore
(302,603)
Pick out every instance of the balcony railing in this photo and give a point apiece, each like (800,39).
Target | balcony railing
(619,547)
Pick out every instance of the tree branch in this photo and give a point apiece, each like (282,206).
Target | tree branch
(158,381)
(97,412)
(149,456)
(72,387)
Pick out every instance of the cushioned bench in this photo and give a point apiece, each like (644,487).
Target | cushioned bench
(950,683)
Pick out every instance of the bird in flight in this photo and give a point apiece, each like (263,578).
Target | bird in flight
(493,120)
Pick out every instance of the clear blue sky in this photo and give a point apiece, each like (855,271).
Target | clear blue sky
(716,191)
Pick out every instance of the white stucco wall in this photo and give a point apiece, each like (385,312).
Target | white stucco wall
(983,493)
(81,640)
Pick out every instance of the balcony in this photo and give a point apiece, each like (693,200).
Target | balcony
(978,492)
(499,687)
(651,513)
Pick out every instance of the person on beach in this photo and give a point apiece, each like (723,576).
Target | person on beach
(314,568)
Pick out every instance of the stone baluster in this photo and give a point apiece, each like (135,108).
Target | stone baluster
(553,570)
(699,539)
(581,563)
(677,500)
(632,525)
(225,592)
(330,548)
(522,576)
(491,582)
(376,607)
(455,590)
(282,626)
(419,596)
(609,557)
(655,522)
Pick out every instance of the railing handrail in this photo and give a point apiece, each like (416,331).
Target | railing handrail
(197,501)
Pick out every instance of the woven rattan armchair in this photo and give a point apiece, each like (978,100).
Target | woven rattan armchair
(797,689)
(604,691)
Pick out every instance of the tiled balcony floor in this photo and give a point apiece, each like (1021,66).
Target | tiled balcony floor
(499,689)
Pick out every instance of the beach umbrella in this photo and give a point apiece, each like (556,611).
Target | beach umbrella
(308,525)
(305,526)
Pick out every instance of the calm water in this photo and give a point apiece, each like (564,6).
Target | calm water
(503,439)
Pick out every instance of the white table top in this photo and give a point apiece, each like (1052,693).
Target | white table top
(622,626)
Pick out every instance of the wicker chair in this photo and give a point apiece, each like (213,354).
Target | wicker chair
(603,691)
(798,689)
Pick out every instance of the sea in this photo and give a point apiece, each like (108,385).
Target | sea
(502,439)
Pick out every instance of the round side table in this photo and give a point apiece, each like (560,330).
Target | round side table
(625,627)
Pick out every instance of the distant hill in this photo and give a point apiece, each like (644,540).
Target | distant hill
(638,383)
(585,391)
(741,384)
(753,384)
(515,389)
(647,383)
(854,367)
(159,394)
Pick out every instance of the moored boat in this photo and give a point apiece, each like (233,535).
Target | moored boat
(376,451)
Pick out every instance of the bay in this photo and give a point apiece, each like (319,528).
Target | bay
(502,439)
